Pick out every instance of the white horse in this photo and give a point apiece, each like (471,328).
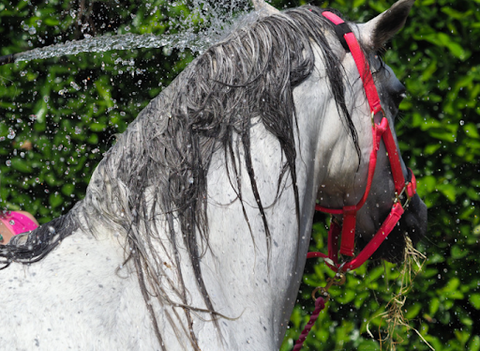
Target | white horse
(195,227)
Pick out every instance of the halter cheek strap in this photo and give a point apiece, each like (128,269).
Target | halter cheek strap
(379,131)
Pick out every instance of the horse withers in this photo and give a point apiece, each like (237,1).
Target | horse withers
(195,226)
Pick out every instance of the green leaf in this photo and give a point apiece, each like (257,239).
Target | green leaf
(412,311)
(21,165)
(471,130)
(475,300)
(358,3)
(474,344)
(458,253)
(68,189)
(449,190)
(462,335)
(98,127)
(454,47)
(452,285)
(368,345)
(456,14)
(429,182)
(347,296)
(432,148)
(434,305)
(104,90)
(55,200)
(51,21)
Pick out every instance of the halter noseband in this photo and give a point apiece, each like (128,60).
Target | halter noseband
(379,131)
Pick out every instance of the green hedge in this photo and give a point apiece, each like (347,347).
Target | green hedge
(58,116)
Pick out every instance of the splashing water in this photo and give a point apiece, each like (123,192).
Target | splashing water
(113,42)
(215,18)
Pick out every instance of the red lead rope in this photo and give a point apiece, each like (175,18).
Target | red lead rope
(319,306)
(347,230)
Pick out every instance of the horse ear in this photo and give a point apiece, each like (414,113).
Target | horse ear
(376,32)
(263,8)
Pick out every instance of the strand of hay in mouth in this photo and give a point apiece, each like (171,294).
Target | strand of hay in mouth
(393,316)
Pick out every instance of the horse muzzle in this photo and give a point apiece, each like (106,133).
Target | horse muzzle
(413,224)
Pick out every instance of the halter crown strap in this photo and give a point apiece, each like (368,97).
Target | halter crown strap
(341,28)
(345,35)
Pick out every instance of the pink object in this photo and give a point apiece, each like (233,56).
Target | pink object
(17,222)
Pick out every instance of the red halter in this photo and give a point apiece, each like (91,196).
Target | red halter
(380,131)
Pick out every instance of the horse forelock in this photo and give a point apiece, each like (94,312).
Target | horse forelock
(159,166)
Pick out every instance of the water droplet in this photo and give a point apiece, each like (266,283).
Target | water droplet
(75,86)
(11,134)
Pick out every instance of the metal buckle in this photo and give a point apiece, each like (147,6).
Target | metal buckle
(398,197)
(338,279)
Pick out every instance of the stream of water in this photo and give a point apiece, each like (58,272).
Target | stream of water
(114,42)
(217,17)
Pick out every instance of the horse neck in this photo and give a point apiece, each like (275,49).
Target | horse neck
(251,276)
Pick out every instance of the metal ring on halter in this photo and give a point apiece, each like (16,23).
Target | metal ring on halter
(398,197)
(340,277)
(338,280)
(374,114)
(323,292)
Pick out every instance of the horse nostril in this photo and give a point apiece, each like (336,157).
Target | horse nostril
(398,98)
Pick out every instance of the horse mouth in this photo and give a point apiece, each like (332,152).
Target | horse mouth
(413,225)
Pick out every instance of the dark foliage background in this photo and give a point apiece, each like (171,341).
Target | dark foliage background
(58,116)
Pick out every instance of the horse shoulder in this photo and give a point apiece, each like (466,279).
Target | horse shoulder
(76,297)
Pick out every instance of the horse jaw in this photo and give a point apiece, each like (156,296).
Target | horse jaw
(375,33)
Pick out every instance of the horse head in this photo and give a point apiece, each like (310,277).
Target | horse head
(381,194)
